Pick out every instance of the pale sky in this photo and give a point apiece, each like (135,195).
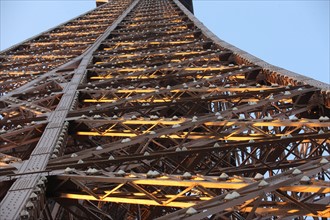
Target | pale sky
(290,34)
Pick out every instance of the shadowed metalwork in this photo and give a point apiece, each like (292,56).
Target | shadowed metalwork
(135,110)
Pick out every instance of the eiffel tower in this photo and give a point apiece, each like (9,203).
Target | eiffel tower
(135,110)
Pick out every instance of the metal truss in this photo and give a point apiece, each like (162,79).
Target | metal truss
(136,111)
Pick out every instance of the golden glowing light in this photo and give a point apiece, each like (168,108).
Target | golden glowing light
(127,200)
(174,136)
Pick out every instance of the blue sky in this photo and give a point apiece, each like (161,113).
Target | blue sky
(290,34)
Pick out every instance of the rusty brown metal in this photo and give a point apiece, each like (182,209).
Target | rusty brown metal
(135,110)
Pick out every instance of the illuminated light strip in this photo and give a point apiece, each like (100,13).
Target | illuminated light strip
(217,89)
(126,200)
(291,211)
(135,100)
(149,122)
(166,196)
(165,69)
(163,196)
(223,89)
(324,213)
(236,77)
(76,34)
(143,77)
(62,43)
(21,73)
(139,55)
(170,42)
(177,29)
(131,69)
(87,20)
(146,43)
(167,180)
(152,76)
(127,133)
(235,184)
(170,23)
(275,123)
(174,136)
(183,135)
(205,181)
(38,56)
(187,53)
(164,17)
(172,60)
(32,110)
(99,101)
(150,99)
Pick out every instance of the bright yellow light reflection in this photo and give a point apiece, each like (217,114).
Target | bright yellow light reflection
(127,200)
(174,136)
(293,211)
(151,43)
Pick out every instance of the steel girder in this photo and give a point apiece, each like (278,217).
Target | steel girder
(136,111)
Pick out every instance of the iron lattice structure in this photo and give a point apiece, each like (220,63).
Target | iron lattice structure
(135,110)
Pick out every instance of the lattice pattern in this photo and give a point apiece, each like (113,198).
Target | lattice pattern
(157,119)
